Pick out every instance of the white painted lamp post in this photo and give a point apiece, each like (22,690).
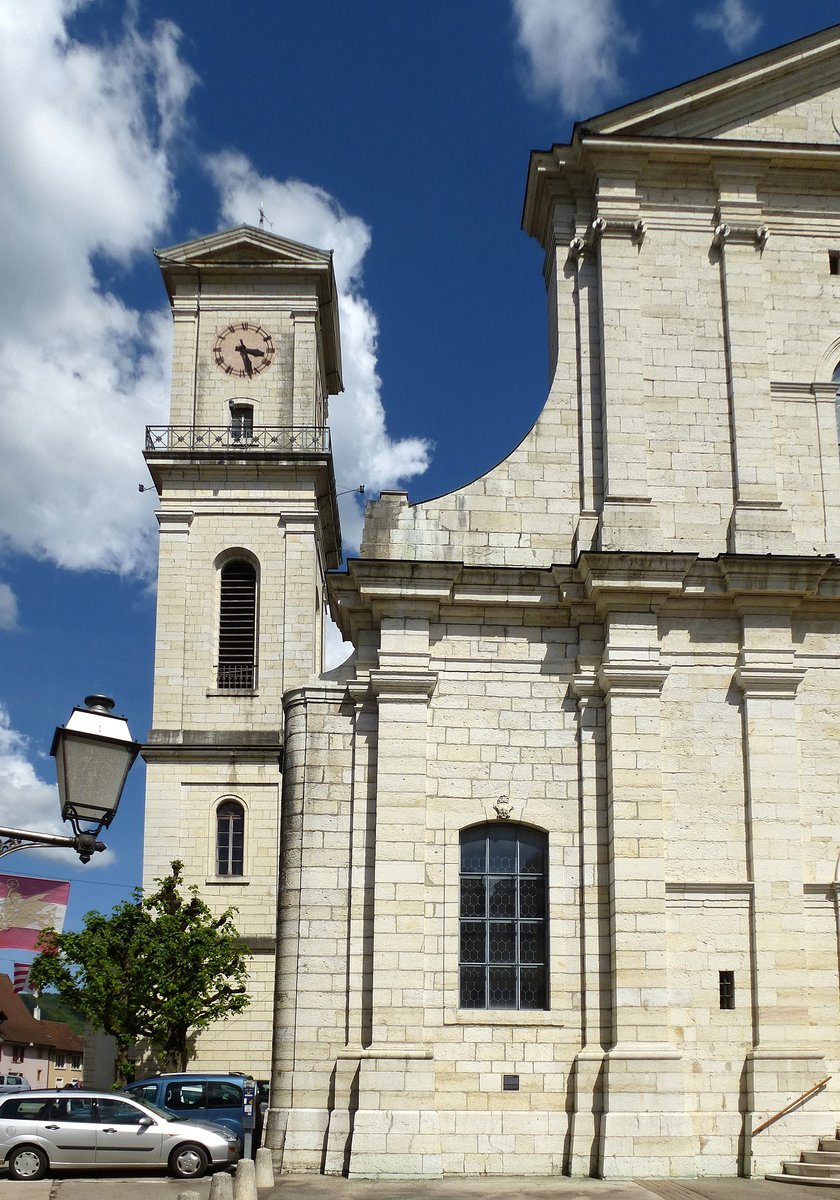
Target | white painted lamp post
(93,754)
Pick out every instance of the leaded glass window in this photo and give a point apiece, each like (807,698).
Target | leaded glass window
(503,927)
(230,838)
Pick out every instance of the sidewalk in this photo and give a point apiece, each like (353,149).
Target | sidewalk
(319,1187)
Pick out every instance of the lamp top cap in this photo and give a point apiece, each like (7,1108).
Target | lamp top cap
(95,720)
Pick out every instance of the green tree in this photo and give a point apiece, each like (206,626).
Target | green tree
(161,967)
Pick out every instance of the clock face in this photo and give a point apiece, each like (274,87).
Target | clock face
(244,350)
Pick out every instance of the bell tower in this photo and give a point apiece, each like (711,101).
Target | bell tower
(248,527)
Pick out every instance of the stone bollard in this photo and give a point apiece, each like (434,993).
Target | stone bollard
(245,1184)
(265,1168)
(221,1186)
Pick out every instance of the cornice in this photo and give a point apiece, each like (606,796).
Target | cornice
(616,579)
(564,175)
(233,752)
(774,575)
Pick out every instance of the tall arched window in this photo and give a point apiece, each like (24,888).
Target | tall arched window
(503,934)
(230,838)
(237,625)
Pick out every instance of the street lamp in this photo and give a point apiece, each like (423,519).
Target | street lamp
(93,754)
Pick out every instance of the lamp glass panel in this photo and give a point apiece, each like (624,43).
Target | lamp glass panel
(91,774)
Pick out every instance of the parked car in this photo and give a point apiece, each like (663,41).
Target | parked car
(13,1083)
(81,1128)
(196,1095)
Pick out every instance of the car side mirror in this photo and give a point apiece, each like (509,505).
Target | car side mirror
(145,1121)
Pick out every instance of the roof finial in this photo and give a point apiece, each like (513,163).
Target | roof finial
(263,217)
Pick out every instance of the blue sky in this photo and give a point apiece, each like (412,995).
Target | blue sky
(396,134)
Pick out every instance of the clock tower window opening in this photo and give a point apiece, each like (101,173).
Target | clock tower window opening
(241,421)
(237,666)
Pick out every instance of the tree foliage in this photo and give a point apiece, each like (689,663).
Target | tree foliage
(161,967)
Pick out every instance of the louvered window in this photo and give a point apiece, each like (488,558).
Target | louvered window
(230,838)
(237,626)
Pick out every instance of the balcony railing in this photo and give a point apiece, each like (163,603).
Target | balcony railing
(280,439)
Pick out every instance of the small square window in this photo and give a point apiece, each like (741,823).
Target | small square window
(727,989)
(834,262)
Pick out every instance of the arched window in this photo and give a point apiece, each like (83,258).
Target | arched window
(237,625)
(230,838)
(503,934)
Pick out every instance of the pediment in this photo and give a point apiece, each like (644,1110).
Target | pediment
(245,245)
(787,95)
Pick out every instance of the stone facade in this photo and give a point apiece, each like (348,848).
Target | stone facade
(620,646)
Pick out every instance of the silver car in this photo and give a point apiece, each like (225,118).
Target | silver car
(66,1129)
(14,1083)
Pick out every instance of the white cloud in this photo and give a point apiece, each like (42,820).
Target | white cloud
(363,450)
(571,51)
(85,139)
(8,608)
(734,20)
(26,800)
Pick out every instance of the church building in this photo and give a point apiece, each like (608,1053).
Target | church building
(544,879)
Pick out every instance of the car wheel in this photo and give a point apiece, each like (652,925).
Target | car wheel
(189,1161)
(27,1162)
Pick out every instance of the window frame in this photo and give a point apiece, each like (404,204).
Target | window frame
(229,802)
(520,895)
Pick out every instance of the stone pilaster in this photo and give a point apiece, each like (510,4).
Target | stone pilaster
(781,1064)
(305,369)
(759,523)
(628,518)
(596,1017)
(644,1128)
(583,268)
(302,585)
(395,1129)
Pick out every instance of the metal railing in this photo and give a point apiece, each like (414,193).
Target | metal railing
(236,676)
(279,439)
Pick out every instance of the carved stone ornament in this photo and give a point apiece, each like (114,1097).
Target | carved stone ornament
(503,808)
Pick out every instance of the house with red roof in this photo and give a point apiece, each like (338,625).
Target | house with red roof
(46,1053)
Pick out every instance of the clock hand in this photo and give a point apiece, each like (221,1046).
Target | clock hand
(246,357)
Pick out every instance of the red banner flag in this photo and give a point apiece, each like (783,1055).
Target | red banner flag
(22,977)
(27,905)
